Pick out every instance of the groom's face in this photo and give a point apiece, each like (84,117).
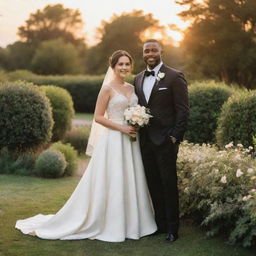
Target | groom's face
(152,54)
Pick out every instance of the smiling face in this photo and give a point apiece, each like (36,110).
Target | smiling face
(152,53)
(123,67)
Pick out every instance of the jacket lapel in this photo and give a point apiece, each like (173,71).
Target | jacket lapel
(140,90)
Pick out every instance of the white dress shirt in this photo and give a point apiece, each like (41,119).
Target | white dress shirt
(149,81)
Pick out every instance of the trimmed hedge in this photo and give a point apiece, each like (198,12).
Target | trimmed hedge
(70,155)
(78,138)
(50,164)
(237,121)
(84,89)
(206,100)
(26,118)
(62,110)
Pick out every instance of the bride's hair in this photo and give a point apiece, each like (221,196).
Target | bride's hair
(116,55)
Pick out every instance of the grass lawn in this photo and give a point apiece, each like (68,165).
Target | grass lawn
(22,197)
(84,116)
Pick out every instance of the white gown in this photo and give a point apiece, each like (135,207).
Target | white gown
(111,201)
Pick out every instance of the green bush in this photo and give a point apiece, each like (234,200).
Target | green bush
(237,121)
(84,89)
(70,155)
(12,163)
(26,119)
(217,188)
(62,110)
(78,138)
(50,164)
(56,57)
(205,101)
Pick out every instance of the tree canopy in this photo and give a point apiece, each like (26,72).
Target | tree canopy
(54,21)
(121,32)
(221,41)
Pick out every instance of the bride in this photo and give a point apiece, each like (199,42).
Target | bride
(111,201)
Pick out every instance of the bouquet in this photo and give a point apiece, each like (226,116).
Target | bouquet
(137,116)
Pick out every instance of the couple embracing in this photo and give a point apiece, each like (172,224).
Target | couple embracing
(129,189)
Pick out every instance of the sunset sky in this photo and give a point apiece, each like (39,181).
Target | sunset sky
(13,14)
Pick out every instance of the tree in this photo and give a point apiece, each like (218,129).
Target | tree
(54,21)
(220,42)
(56,57)
(19,55)
(121,32)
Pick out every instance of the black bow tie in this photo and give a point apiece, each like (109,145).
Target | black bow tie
(149,73)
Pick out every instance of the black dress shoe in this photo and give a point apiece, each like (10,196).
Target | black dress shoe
(171,237)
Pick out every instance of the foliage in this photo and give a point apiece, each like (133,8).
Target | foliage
(78,138)
(70,155)
(83,89)
(50,164)
(26,119)
(220,42)
(62,110)
(206,100)
(128,38)
(52,22)
(56,57)
(237,121)
(219,189)
(11,163)
(17,56)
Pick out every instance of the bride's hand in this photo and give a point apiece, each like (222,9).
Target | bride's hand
(129,130)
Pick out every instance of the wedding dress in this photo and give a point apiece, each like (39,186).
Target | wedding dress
(111,201)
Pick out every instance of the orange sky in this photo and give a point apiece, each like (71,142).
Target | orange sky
(13,13)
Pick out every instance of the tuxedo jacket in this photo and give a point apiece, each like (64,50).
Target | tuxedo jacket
(168,104)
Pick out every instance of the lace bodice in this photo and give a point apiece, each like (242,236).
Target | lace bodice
(117,105)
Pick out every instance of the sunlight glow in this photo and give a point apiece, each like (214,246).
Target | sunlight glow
(93,12)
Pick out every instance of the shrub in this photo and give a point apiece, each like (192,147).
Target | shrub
(218,188)
(62,110)
(78,138)
(26,119)
(70,155)
(237,121)
(83,88)
(56,57)
(50,164)
(205,107)
(11,163)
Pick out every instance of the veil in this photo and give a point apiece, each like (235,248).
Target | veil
(96,128)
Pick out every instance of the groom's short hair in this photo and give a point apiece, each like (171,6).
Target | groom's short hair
(153,41)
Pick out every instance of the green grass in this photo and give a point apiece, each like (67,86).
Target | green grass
(84,116)
(22,197)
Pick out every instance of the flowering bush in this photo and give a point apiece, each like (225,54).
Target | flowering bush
(218,188)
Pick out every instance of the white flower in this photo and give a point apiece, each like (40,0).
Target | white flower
(245,198)
(229,145)
(216,171)
(253,190)
(223,179)
(240,145)
(160,76)
(239,173)
(250,147)
(249,170)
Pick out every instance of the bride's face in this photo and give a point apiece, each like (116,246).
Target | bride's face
(123,67)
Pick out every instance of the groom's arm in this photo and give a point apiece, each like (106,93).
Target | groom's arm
(181,105)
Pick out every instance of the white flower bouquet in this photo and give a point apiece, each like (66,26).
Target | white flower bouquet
(137,116)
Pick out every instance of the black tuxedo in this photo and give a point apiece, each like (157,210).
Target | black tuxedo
(168,104)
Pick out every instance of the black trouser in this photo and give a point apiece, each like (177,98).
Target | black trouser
(160,169)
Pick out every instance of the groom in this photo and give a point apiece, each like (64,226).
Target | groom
(164,91)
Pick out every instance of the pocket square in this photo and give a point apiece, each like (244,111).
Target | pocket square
(162,88)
